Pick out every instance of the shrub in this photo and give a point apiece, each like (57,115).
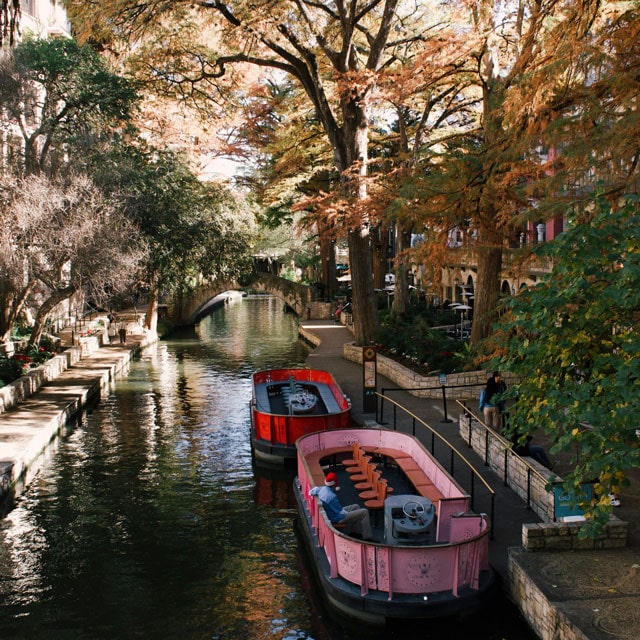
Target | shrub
(414,342)
(12,368)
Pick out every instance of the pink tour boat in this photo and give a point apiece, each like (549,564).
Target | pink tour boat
(429,556)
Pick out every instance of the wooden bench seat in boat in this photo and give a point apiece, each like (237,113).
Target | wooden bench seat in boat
(356,452)
(386,452)
(431,492)
(418,478)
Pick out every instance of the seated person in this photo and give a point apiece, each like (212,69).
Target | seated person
(534,451)
(351,515)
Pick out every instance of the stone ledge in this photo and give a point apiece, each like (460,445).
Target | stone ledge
(422,386)
(562,536)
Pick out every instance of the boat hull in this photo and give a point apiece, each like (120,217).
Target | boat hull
(375,609)
(393,579)
(289,403)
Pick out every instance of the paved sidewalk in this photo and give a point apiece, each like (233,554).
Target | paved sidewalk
(597,591)
(28,430)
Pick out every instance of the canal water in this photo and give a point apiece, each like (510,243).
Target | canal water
(150,522)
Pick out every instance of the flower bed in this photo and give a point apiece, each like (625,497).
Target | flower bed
(26,358)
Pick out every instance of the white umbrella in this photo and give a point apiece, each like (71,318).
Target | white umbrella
(344,278)
(462,308)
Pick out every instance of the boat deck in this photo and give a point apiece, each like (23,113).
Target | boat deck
(348,494)
(273,398)
(277,404)
(429,553)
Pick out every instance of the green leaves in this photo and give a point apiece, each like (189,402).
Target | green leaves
(64,92)
(573,341)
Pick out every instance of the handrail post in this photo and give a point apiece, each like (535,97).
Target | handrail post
(444,404)
(382,405)
(493,507)
(472,481)
(486,448)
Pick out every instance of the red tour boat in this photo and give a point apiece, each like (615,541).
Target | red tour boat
(289,403)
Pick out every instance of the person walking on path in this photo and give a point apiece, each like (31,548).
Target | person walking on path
(122,331)
(113,329)
(350,515)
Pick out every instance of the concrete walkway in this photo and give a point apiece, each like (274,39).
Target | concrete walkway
(593,595)
(28,430)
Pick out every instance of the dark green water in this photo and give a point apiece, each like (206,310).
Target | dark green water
(149,520)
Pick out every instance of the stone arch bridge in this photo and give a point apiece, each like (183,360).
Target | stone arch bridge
(298,297)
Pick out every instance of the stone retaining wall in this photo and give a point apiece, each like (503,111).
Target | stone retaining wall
(18,390)
(529,479)
(545,618)
(557,536)
(523,475)
(459,385)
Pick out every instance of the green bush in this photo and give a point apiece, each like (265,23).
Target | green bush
(414,342)
(12,368)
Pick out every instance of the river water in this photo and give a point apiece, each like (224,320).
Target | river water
(149,520)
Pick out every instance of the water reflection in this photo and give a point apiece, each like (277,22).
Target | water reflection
(150,522)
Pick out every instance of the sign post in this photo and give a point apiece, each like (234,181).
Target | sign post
(369,380)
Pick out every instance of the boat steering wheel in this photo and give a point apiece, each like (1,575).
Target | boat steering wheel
(413,509)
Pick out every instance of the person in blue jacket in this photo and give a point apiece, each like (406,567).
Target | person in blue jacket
(491,407)
(351,515)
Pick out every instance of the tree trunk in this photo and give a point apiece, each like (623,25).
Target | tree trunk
(328,266)
(351,161)
(379,246)
(45,309)
(365,316)
(151,316)
(487,290)
(401,289)
(489,248)
(11,307)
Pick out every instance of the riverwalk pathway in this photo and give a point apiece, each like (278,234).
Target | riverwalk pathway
(28,431)
(595,593)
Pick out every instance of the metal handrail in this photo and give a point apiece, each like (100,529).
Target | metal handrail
(434,433)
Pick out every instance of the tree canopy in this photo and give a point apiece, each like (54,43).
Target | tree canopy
(165,229)
(54,92)
(488,98)
(194,230)
(334,51)
(60,238)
